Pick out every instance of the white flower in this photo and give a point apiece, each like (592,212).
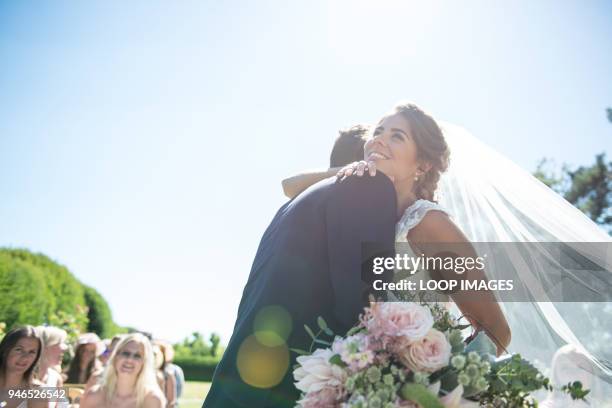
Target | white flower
(429,354)
(316,372)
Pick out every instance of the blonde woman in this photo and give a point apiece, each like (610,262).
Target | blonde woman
(129,380)
(50,365)
(54,347)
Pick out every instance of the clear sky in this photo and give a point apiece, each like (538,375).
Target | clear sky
(142,144)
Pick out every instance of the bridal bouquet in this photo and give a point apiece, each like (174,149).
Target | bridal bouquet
(412,355)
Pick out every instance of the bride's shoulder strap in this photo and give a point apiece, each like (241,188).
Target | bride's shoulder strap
(413,215)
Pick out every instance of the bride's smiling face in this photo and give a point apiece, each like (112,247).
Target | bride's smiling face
(393,149)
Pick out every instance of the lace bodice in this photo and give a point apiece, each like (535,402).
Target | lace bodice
(413,216)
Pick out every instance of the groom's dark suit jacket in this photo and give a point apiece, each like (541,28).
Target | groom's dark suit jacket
(308,264)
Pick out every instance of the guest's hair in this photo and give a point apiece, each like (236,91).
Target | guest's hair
(348,147)
(9,342)
(431,147)
(51,335)
(74,370)
(146,380)
(167,351)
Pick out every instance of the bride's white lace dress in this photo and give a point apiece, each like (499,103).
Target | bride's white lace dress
(412,216)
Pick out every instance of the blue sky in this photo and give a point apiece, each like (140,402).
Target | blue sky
(142,144)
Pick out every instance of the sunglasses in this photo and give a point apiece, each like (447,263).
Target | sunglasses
(128,355)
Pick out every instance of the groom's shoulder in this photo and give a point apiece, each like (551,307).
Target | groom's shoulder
(354,188)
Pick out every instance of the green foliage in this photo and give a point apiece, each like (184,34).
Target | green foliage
(511,379)
(99,314)
(36,290)
(421,395)
(195,346)
(214,344)
(197,368)
(73,323)
(575,390)
(25,297)
(588,188)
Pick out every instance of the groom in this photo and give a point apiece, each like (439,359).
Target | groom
(308,264)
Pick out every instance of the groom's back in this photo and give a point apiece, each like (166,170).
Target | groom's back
(308,264)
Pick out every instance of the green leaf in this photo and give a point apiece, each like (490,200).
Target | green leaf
(300,351)
(310,332)
(354,330)
(321,322)
(457,348)
(421,395)
(323,342)
(328,331)
(337,360)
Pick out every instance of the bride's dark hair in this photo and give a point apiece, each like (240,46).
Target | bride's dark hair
(431,147)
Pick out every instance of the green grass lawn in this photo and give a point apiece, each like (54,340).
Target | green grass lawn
(193,394)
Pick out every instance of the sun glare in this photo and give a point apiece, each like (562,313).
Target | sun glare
(384,29)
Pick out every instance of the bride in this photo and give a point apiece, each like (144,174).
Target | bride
(408,146)
(482,198)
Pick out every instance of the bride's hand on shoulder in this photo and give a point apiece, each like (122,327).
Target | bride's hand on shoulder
(357,169)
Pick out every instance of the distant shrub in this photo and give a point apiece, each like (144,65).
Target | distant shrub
(198,368)
(36,290)
(99,314)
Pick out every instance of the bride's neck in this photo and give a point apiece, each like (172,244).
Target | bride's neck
(405,197)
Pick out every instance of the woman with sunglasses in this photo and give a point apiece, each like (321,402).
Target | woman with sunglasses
(129,380)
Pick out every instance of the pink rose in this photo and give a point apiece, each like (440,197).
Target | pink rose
(407,320)
(428,354)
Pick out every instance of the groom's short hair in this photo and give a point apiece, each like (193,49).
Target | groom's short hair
(348,147)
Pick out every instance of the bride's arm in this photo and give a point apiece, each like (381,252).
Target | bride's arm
(294,185)
(480,308)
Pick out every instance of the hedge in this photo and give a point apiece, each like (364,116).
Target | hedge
(34,288)
(198,368)
(99,314)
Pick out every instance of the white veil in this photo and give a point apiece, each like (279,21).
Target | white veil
(494,200)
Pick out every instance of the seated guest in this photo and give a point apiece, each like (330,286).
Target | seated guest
(85,367)
(173,369)
(129,380)
(165,377)
(20,351)
(54,347)
(109,349)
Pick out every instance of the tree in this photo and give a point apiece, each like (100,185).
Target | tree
(588,188)
(99,314)
(36,290)
(214,344)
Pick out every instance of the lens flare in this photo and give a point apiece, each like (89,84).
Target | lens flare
(262,366)
(272,326)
